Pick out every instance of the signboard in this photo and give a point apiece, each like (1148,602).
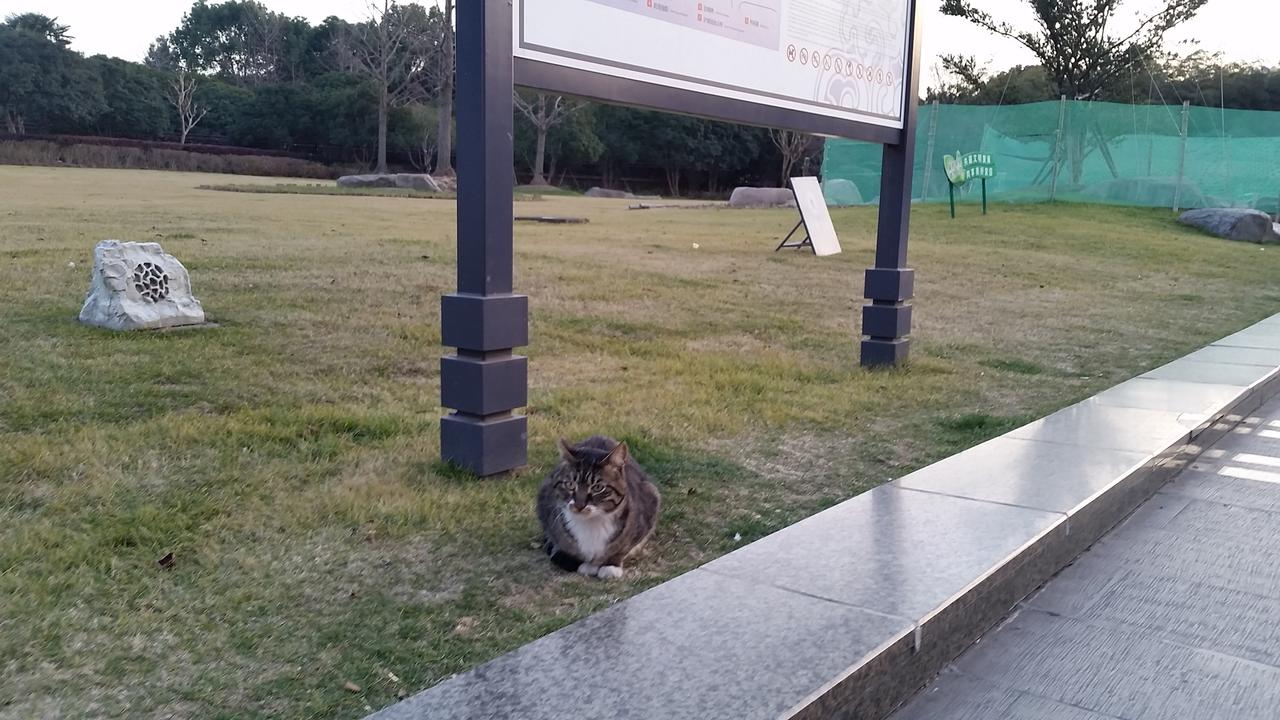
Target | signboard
(961,169)
(848,68)
(831,59)
(815,215)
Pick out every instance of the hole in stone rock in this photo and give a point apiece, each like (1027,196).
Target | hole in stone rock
(151,281)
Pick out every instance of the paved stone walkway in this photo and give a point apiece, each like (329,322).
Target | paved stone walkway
(1174,614)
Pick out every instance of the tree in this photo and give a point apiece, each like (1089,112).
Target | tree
(444,133)
(240,41)
(183,98)
(544,114)
(136,99)
(725,149)
(961,81)
(1077,41)
(1080,48)
(42,25)
(162,56)
(792,145)
(573,143)
(393,48)
(958,78)
(44,84)
(1213,83)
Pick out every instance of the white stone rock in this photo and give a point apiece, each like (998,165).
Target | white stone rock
(138,286)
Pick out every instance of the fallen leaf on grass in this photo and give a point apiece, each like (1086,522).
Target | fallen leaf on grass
(464,626)
(350,687)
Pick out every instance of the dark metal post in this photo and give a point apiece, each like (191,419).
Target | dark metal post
(886,321)
(484,381)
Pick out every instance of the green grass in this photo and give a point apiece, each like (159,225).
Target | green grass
(314,189)
(548,190)
(296,189)
(289,458)
(1014,365)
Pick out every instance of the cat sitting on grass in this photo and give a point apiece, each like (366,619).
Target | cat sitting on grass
(596,508)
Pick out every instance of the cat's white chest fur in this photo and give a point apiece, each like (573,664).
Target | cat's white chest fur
(592,533)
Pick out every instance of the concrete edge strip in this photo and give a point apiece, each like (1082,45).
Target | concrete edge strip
(1248,399)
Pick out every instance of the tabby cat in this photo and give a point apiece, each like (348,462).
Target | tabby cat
(596,507)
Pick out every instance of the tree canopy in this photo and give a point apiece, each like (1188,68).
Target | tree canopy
(1080,43)
(42,25)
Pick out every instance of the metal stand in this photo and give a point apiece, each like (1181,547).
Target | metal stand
(806,242)
(952,188)
(484,382)
(886,321)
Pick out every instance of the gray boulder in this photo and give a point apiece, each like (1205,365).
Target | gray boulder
(841,193)
(753,197)
(599,192)
(408,181)
(1233,224)
(446,183)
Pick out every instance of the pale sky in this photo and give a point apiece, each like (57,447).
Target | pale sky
(1243,30)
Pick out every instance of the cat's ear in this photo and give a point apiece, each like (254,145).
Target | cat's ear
(618,456)
(567,452)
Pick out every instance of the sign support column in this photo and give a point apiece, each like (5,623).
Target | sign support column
(484,382)
(886,320)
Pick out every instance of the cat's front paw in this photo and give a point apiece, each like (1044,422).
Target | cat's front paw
(609,572)
(588,569)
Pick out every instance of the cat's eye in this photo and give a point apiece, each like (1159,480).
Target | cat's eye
(597,488)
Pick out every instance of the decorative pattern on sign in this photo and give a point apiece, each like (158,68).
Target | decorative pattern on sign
(151,281)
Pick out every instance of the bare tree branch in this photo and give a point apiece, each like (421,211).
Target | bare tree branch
(545,115)
(183,98)
(792,144)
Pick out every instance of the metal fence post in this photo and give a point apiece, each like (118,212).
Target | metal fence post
(1057,148)
(1182,157)
(484,381)
(928,156)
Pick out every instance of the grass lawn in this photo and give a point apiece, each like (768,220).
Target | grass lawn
(288,458)
(325,189)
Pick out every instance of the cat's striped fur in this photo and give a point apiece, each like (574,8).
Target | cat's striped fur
(596,507)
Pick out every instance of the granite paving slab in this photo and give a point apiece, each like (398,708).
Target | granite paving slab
(701,645)
(1211,372)
(1229,354)
(1258,336)
(1090,424)
(1120,673)
(1171,615)
(1028,473)
(1197,399)
(895,551)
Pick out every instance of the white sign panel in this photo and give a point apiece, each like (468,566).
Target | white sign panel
(816,216)
(835,58)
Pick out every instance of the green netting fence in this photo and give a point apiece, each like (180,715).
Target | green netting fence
(1152,155)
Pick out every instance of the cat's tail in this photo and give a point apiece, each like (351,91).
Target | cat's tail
(560,558)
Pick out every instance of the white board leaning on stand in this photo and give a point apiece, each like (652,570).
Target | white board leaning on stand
(815,216)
